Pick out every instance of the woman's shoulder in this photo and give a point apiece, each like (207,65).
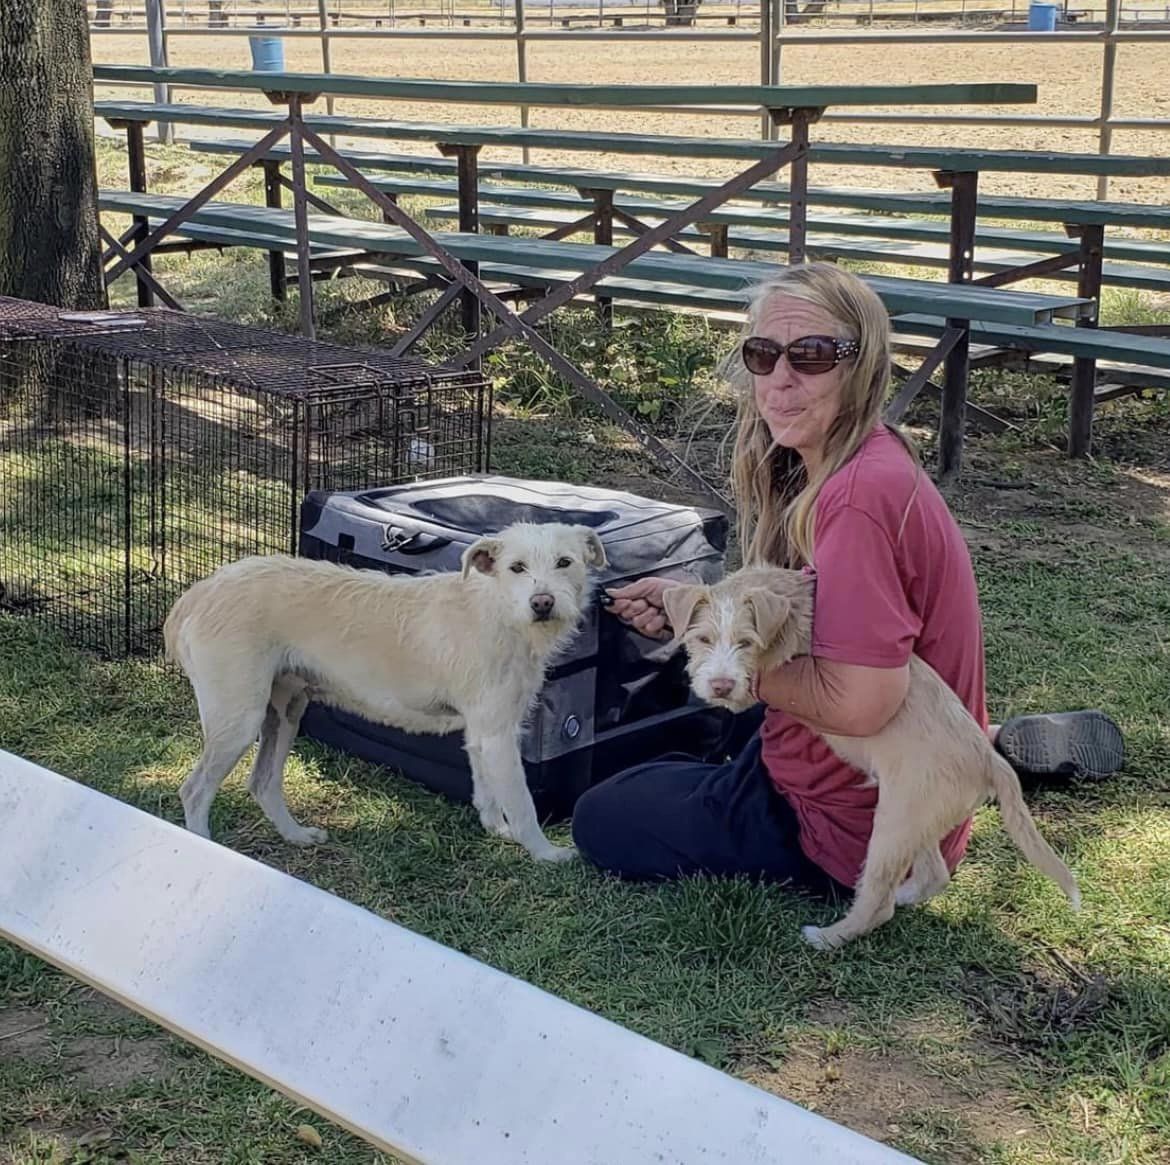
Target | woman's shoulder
(880,479)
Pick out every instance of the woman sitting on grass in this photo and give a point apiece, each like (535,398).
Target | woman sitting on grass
(822,483)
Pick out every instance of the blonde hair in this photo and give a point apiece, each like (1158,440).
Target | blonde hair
(775,497)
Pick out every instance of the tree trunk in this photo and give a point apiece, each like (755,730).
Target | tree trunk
(49,245)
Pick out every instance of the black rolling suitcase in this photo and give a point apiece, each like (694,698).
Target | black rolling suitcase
(615,700)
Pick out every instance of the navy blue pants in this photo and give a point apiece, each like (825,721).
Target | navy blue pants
(682,816)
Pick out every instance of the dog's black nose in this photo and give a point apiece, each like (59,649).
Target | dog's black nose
(541,605)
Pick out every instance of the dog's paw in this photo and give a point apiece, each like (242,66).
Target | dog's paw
(557,853)
(909,893)
(492,818)
(306,835)
(818,938)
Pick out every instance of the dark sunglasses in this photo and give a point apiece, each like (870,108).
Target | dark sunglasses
(812,354)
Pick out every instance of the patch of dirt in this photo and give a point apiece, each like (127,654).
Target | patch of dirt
(878,1094)
(1033,1009)
(91,1061)
(1073,510)
(829,1013)
(111,1062)
(24,1034)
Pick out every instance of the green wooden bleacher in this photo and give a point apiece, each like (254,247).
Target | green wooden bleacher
(824,246)
(899,295)
(872,225)
(653,273)
(1011,319)
(957,160)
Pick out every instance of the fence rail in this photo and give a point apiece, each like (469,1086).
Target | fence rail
(776,26)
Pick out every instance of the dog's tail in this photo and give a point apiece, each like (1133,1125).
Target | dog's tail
(1018,823)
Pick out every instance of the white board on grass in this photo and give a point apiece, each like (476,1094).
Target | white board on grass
(423,1051)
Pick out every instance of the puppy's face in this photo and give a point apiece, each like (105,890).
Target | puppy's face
(542,571)
(725,634)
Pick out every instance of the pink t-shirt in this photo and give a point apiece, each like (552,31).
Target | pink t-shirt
(879,599)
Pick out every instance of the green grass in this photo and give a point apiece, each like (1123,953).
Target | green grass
(991,1026)
(992,1010)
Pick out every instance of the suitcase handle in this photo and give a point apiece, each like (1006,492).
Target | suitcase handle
(400,541)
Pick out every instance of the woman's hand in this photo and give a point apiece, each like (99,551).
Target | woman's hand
(640,605)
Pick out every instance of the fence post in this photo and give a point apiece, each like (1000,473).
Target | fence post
(326,55)
(1108,67)
(522,68)
(767,50)
(156,34)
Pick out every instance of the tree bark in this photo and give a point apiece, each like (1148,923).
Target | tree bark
(50,249)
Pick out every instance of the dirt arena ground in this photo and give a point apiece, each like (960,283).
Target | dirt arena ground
(1068,77)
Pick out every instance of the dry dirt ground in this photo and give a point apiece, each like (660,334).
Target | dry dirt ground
(1068,77)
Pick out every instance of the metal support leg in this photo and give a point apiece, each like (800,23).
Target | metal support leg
(798,189)
(467,163)
(277,278)
(136,157)
(964,202)
(603,235)
(301,217)
(1084,374)
(145,278)
(619,259)
(521,327)
(717,233)
(192,205)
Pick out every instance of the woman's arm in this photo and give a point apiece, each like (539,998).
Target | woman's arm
(843,699)
(857,672)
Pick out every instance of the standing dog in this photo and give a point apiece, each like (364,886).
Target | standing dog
(933,764)
(263,636)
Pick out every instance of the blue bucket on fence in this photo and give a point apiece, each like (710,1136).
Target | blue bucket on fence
(1042,17)
(267,54)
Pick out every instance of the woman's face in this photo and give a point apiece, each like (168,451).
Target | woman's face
(798,407)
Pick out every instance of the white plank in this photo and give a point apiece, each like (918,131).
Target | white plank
(421,1050)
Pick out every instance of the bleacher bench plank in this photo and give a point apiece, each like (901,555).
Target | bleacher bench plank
(1072,211)
(423,1051)
(572,94)
(1117,351)
(888,251)
(899,295)
(830,153)
(872,225)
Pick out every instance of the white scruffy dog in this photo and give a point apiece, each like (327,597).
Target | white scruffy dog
(261,637)
(933,764)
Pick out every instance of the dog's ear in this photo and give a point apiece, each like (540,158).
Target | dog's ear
(482,555)
(679,603)
(594,551)
(770,612)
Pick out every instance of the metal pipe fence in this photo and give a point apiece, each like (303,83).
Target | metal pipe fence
(778,27)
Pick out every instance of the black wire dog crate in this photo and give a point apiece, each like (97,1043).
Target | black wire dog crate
(140,450)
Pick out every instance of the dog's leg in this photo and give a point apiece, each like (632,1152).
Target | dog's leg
(286,706)
(929,877)
(491,816)
(231,701)
(504,782)
(222,750)
(892,848)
